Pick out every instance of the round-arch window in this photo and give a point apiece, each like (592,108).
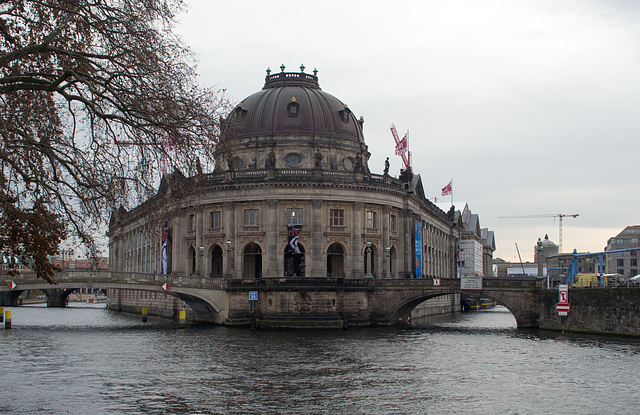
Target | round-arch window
(293,159)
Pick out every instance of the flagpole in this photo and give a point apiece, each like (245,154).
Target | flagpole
(451,192)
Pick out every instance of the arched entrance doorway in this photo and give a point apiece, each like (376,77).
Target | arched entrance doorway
(252,261)
(216,262)
(335,261)
(191,257)
(294,265)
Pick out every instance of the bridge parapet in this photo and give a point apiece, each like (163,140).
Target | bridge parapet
(85,277)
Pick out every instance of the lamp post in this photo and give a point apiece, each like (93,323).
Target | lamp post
(367,254)
(388,276)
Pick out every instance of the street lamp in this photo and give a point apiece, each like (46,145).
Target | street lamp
(388,276)
(228,245)
(202,251)
(368,257)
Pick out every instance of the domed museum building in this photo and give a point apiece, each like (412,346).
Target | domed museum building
(291,196)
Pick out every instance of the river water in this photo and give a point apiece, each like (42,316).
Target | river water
(88,360)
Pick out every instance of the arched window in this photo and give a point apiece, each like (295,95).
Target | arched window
(216,262)
(252,261)
(294,265)
(335,261)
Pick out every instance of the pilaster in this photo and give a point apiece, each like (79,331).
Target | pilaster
(356,259)
(229,230)
(318,259)
(272,226)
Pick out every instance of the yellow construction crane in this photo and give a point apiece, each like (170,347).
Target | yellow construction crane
(548,215)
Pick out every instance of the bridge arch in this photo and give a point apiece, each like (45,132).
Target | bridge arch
(201,294)
(513,303)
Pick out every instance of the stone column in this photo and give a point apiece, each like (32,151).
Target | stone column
(316,267)
(385,241)
(407,248)
(229,230)
(272,226)
(356,259)
(176,244)
(199,242)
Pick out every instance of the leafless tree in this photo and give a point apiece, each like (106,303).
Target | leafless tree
(95,95)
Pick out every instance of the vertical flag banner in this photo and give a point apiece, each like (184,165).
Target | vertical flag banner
(164,247)
(294,236)
(418,250)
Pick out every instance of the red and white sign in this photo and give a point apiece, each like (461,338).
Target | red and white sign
(563,294)
(12,285)
(562,308)
(563,300)
(436,282)
(165,286)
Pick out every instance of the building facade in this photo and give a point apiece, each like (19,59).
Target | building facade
(291,196)
(624,263)
(476,245)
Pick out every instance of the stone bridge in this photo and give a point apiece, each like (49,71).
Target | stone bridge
(203,295)
(284,302)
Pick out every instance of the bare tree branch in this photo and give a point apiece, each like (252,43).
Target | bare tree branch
(91,94)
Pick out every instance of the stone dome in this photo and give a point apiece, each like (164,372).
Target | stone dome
(293,104)
(292,115)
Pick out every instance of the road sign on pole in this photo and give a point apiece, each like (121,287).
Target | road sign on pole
(563,294)
(563,300)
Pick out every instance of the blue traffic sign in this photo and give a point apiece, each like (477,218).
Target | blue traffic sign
(253,296)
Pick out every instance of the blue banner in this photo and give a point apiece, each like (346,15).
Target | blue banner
(418,250)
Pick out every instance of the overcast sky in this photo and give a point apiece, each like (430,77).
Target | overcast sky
(531,107)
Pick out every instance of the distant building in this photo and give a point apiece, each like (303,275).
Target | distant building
(488,248)
(9,261)
(559,264)
(549,248)
(623,263)
(476,245)
(79,264)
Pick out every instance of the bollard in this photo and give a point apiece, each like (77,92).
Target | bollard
(183,319)
(144,314)
(1,314)
(7,320)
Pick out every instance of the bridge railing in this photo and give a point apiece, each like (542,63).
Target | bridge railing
(243,284)
(111,276)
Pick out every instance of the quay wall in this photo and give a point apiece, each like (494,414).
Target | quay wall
(594,310)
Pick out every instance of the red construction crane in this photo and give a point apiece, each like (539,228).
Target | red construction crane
(402,147)
(547,215)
